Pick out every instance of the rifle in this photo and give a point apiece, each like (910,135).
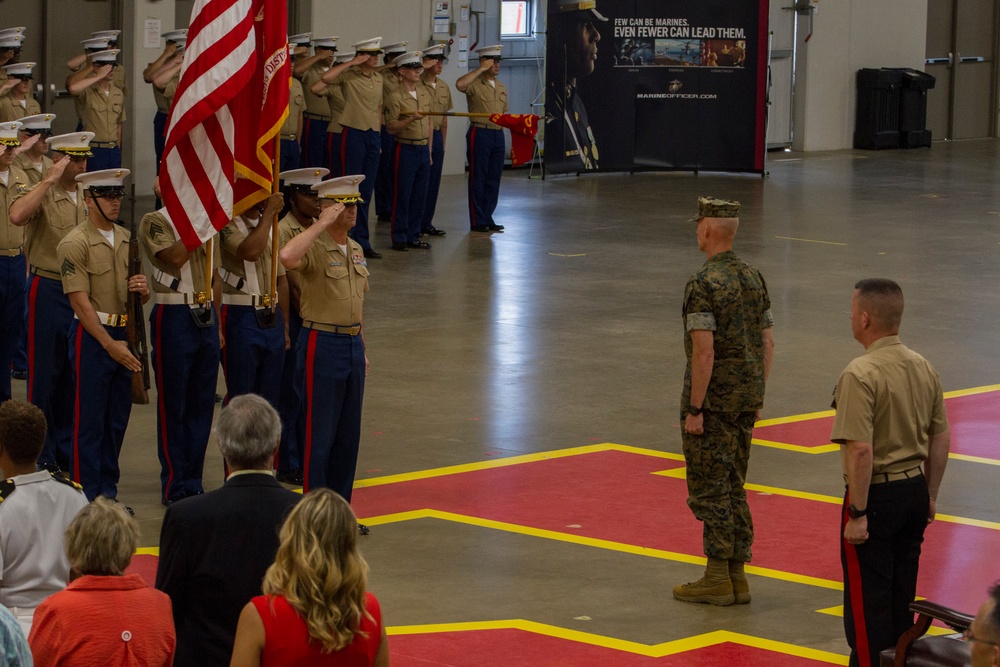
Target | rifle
(135,326)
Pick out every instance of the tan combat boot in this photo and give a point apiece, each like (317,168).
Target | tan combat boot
(713,588)
(741,587)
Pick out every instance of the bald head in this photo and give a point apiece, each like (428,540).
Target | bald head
(882,299)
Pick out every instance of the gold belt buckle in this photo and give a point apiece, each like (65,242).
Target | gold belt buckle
(201,298)
(266,300)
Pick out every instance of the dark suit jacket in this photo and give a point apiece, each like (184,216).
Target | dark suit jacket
(214,550)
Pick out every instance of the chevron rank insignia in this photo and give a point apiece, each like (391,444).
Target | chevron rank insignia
(155,229)
(68,268)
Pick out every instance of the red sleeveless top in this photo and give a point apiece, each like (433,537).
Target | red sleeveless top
(287,641)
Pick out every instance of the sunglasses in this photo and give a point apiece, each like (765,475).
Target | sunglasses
(32,132)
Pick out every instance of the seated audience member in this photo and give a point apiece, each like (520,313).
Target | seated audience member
(14,651)
(215,548)
(315,609)
(35,508)
(984,633)
(104,617)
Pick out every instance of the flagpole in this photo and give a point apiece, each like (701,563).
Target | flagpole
(209,268)
(275,170)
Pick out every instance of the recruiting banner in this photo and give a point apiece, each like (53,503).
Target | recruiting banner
(655,85)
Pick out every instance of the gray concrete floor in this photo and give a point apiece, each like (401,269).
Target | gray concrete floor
(565,331)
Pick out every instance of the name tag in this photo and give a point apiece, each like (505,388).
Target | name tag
(336,263)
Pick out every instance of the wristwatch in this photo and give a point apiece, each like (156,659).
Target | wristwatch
(693,411)
(855,513)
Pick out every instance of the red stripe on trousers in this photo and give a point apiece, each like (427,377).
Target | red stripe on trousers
(32,295)
(472,177)
(160,404)
(76,407)
(343,152)
(857,597)
(395,187)
(310,358)
(225,349)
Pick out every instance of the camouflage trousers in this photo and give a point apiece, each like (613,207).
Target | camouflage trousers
(716,471)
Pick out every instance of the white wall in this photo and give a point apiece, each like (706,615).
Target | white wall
(139,128)
(849,35)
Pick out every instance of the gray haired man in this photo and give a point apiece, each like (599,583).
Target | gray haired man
(215,547)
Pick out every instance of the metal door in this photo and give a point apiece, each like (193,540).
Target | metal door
(961,47)
(780,74)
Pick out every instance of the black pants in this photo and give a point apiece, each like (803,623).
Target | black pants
(880,576)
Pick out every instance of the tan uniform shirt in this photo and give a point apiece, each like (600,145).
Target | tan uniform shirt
(53,220)
(362,99)
(333,285)
(890,397)
(288,228)
(390,84)
(440,99)
(120,79)
(232,237)
(296,103)
(484,98)
(89,264)
(31,170)
(170,90)
(157,233)
(102,114)
(161,102)
(336,98)
(403,103)
(12,109)
(11,236)
(315,104)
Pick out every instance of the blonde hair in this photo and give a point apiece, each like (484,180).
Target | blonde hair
(101,539)
(318,568)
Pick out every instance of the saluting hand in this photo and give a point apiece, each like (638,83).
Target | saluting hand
(330,214)
(55,172)
(27,143)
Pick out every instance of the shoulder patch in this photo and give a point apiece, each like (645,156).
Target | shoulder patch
(66,480)
(6,488)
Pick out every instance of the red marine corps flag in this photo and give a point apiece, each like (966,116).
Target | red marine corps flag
(523,128)
(262,106)
(209,127)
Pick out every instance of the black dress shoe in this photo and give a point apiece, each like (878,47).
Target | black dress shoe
(294,477)
(371,254)
(481,228)
(399,246)
(363,529)
(496,228)
(423,245)
(434,231)
(19,375)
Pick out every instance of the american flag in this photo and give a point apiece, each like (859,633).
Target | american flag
(198,168)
